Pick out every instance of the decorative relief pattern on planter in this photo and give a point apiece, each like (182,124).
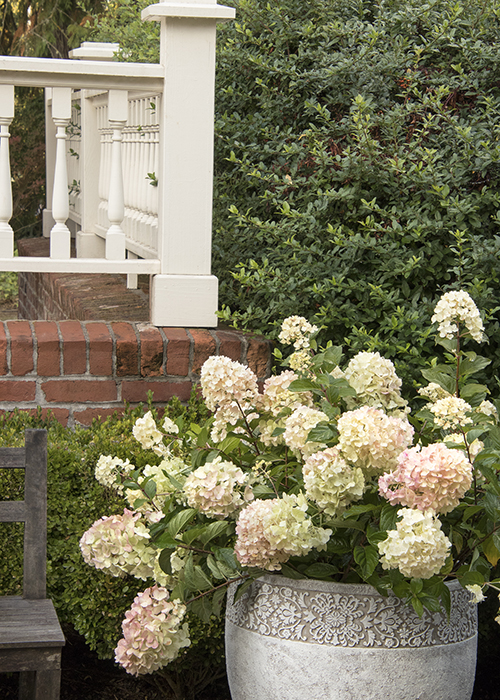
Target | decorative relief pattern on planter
(362,619)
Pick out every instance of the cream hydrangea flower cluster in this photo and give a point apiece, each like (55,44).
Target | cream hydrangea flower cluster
(488,409)
(432,477)
(271,531)
(417,547)
(297,428)
(164,487)
(153,632)
(454,307)
(147,434)
(108,470)
(450,413)
(331,482)
(371,440)
(296,330)
(433,392)
(217,488)
(277,396)
(120,544)
(300,361)
(224,381)
(375,380)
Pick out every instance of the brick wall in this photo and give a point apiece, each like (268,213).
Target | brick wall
(84,369)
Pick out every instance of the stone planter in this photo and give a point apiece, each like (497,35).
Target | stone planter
(314,640)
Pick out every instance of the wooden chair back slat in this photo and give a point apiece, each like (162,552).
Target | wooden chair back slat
(33,510)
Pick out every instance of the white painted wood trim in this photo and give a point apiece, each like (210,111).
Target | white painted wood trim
(83,265)
(54,72)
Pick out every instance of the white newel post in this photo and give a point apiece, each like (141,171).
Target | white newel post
(186,293)
(117,117)
(60,236)
(6,116)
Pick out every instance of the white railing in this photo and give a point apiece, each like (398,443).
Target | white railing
(129,154)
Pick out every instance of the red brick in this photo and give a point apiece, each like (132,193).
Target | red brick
(204,346)
(100,349)
(60,414)
(12,390)
(258,354)
(3,351)
(230,344)
(178,346)
(127,353)
(137,391)
(48,348)
(79,390)
(74,347)
(21,345)
(87,416)
(151,351)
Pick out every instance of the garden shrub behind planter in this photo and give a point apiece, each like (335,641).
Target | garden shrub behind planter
(93,602)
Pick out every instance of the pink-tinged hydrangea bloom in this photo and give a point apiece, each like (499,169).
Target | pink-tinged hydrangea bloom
(371,440)
(331,482)
(298,426)
(454,307)
(120,544)
(375,380)
(434,477)
(271,531)
(153,633)
(450,413)
(224,381)
(216,488)
(417,547)
(296,330)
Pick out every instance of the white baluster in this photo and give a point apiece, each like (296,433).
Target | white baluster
(60,236)
(6,116)
(117,116)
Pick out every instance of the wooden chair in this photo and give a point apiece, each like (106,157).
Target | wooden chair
(31,638)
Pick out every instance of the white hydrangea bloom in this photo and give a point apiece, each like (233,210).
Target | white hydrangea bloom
(418,547)
(217,488)
(488,409)
(300,360)
(451,413)
(433,392)
(276,395)
(170,427)
(164,487)
(331,482)
(108,469)
(454,307)
(477,593)
(296,330)
(147,434)
(371,440)
(224,381)
(297,428)
(375,380)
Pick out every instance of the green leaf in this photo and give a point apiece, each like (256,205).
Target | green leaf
(242,588)
(217,600)
(367,558)
(180,520)
(491,551)
(320,570)
(202,608)
(303,385)
(445,381)
(290,572)
(320,433)
(388,517)
(229,444)
(164,561)
(470,578)
(195,578)
(214,568)
(490,475)
(214,530)
(165,540)
(150,488)
(417,606)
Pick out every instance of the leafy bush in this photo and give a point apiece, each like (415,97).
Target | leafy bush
(92,601)
(357,154)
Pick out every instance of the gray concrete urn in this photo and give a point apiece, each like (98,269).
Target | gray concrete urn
(314,640)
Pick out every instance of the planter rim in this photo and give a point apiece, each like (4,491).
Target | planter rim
(309,584)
